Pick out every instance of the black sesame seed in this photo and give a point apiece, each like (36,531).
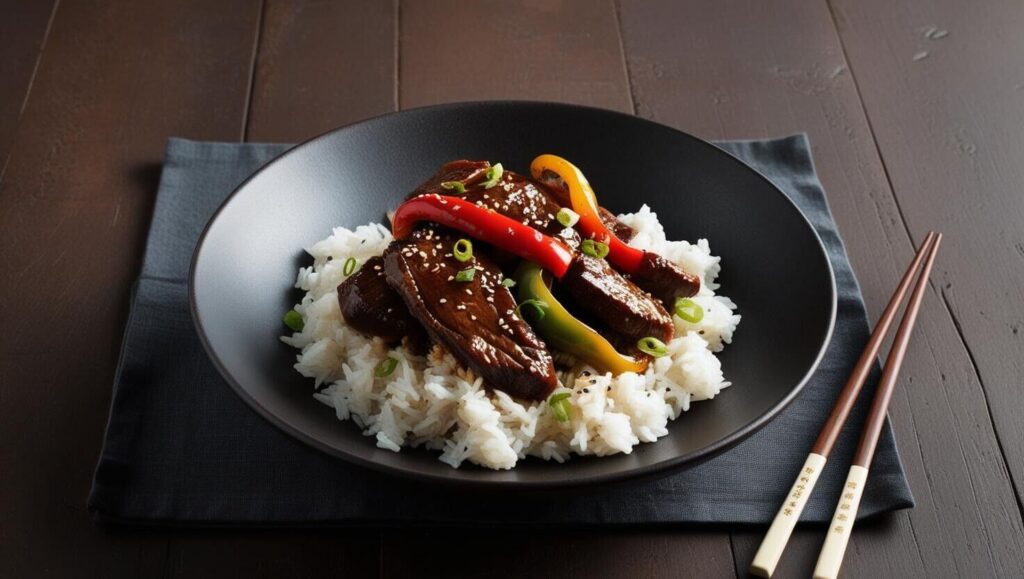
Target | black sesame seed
(585,373)
(593,380)
(701,332)
(586,391)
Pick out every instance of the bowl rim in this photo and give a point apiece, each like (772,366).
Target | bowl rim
(645,472)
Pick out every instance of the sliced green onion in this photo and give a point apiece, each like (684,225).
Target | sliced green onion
(293,320)
(561,406)
(689,310)
(349,267)
(456,185)
(537,305)
(463,250)
(466,275)
(508,282)
(567,217)
(493,175)
(652,347)
(594,248)
(385,368)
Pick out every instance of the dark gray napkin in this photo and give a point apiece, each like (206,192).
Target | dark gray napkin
(181,448)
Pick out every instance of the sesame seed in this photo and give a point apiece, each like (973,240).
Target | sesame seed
(444,301)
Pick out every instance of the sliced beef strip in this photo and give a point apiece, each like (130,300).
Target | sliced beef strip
(516,196)
(664,279)
(464,171)
(615,301)
(521,199)
(475,320)
(370,306)
(620,229)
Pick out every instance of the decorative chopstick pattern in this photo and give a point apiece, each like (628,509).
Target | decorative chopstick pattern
(774,543)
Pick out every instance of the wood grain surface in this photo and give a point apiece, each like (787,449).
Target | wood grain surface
(780,69)
(956,155)
(23,32)
(913,112)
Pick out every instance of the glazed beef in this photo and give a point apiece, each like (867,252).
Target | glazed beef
(664,280)
(370,306)
(615,301)
(620,229)
(463,171)
(475,320)
(521,199)
(516,196)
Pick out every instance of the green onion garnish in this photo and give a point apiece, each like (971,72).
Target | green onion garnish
(652,347)
(456,185)
(493,175)
(463,250)
(508,282)
(567,217)
(385,368)
(293,320)
(561,406)
(466,275)
(594,248)
(689,310)
(537,305)
(349,267)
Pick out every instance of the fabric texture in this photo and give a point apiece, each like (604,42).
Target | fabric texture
(182,449)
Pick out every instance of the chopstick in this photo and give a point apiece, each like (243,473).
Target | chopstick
(770,551)
(831,556)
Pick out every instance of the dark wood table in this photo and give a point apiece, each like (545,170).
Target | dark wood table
(914,108)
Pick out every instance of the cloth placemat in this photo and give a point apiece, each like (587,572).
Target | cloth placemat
(182,449)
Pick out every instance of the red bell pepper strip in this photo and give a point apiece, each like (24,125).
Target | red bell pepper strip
(584,202)
(485,225)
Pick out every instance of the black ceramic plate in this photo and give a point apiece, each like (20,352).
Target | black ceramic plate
(775,267)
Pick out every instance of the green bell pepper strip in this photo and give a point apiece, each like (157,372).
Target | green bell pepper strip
(565,333)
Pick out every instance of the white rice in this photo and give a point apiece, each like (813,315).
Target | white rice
(432,402)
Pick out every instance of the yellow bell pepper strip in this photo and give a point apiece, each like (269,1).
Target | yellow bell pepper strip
(562,331)
(655,274)
(485,225)
(584,203)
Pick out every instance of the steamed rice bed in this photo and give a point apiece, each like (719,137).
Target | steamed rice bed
(434,402)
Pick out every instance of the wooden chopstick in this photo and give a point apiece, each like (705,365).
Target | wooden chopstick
(831,556)
(778,534)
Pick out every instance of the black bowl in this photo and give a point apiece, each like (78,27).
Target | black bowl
(774,267)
